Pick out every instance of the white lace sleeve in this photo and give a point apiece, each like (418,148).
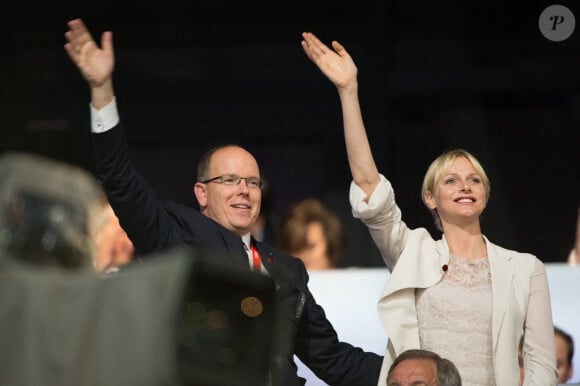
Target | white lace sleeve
(539,347)
(382,216)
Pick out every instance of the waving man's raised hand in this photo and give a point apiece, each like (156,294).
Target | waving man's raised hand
(96,64)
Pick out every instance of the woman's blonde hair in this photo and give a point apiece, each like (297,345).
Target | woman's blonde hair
(439,166)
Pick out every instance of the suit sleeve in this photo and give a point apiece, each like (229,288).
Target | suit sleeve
(317,346)
(140,214)
(539,344)
(383,219)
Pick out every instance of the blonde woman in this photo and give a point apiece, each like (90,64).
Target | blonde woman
(461,296)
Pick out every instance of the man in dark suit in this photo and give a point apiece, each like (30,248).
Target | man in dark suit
(229,195)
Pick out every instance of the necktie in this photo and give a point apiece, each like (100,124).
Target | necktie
(254,254)
(256,258)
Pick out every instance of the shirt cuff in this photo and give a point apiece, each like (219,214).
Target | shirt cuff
(105,118)
(358,198)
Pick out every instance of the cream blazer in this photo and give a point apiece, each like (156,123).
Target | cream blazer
(521,298)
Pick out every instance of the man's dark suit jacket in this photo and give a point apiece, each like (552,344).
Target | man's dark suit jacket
(153,225)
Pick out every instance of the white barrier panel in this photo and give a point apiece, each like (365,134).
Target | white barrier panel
(349,298)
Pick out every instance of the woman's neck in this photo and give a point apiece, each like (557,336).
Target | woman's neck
(465,242)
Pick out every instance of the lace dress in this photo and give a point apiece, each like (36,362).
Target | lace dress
(455,319)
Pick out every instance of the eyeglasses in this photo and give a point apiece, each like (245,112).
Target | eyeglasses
(232,179)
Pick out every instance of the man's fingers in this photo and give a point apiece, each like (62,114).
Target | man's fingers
(72,48)
(107,42)
(76,29)
(77,26)
(69,51)
(77,35)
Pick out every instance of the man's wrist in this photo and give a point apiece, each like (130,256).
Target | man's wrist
(104,118)
(102,95)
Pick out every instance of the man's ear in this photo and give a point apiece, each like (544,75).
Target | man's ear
(430,200)
(200,191)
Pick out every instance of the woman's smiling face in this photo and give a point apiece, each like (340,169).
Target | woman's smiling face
(460,194)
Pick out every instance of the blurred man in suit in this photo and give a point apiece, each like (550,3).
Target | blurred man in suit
(49,211)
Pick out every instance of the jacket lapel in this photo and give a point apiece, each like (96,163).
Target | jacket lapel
(501,275)
(235,247)
(418,267)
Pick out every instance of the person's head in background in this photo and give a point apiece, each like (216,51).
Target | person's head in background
(48,212)
(564,354)
(422,367)
(113,246)
(312,232)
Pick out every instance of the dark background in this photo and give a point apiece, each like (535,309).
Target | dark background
(433,76)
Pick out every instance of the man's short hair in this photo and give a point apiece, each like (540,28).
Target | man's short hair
(204,163)
(447,373)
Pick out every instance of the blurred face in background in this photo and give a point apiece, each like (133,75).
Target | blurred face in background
(564,366)
(314,253)
(113,246)
(312,232)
